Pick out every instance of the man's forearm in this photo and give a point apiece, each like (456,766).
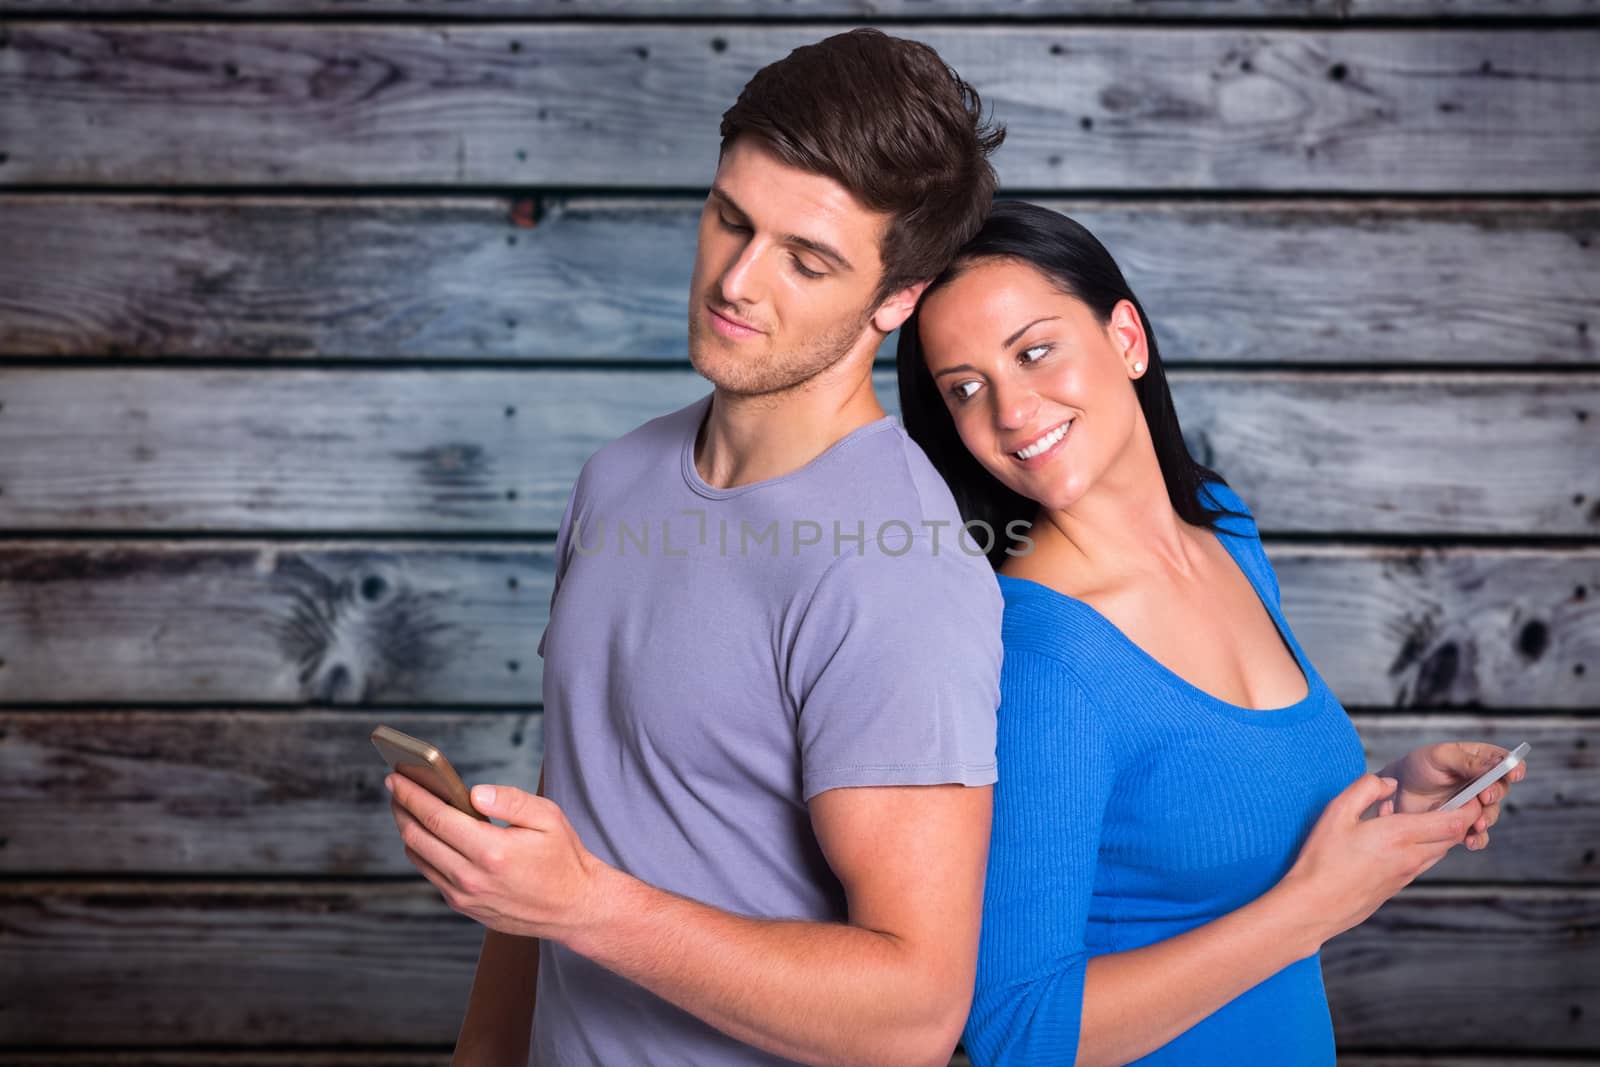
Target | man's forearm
(819,993)
(499,1016)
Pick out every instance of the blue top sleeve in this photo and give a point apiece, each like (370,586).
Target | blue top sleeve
(1049,804)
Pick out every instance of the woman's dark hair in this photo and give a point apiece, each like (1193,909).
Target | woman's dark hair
(1077,264)
(890,121)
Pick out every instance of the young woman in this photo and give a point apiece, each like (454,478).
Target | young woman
(1178,825)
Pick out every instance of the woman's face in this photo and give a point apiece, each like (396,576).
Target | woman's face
(1041,392)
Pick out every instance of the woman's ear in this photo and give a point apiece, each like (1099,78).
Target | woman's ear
(898,307)
(1127,333)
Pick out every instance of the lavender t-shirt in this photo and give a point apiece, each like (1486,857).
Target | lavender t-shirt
(717,657)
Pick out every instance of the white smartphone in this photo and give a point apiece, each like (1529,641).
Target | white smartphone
(1488,778)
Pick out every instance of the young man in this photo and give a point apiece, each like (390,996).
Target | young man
(772,663)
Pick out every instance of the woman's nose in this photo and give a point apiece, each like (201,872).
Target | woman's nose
(1014,407)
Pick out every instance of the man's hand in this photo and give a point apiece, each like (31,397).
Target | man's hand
(1432,774)
(531,878)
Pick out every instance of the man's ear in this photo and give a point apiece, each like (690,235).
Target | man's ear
(897,308)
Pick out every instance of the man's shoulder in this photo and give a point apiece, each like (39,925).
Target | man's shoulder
(643,450)
(887,477)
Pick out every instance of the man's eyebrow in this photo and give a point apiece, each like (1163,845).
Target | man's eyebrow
(1009,341)
(826,251)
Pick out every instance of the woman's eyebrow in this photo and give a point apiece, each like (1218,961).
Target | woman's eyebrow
(1009,341)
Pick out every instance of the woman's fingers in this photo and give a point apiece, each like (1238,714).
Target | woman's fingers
(1433,827)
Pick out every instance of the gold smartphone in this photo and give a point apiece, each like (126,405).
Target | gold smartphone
(425,765)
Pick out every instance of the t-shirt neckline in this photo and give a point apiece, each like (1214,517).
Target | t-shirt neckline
(691,474)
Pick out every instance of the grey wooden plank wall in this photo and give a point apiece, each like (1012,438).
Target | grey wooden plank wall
(310,311)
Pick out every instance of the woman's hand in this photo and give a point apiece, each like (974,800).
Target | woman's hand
(1348,866)
(1432,774)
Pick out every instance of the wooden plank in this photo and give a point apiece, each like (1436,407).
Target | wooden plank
(1413,975)
(1446,628)
(470,277)
(241,792)
(488,451)
(232,792)
(273,622)
(637,105)
(879,11)
(135,963)
(161,963)
(398,623)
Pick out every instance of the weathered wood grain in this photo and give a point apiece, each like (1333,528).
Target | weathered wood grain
(1460,282)
(162,963)
(1446,628)
(881,11)
(243,792)
(228,792)
(272,963)
(378,624)
(1414,974)
(401,623)
(637,105)
(488,451)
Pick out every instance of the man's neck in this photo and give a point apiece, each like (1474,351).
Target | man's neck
(747,439)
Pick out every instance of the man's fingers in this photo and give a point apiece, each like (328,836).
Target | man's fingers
(515,806)
(455,832)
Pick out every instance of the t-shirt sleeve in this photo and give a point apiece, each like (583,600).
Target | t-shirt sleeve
(895,671)
(1049,807)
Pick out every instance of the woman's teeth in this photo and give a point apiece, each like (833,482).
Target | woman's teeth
(1044,442)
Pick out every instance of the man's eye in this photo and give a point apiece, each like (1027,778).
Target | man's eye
(726,225)
(960,391)
(805,270)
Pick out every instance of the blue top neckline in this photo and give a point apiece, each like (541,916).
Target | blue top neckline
(1281,716)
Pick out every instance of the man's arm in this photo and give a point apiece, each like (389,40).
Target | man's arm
(891,985)
(499,1017)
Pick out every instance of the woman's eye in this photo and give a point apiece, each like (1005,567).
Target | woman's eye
(961,392)
(1027,353)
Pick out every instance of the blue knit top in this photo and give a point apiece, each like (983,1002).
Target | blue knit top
(1133,806)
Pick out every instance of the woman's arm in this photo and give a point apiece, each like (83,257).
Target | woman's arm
(499,1019)
(1138,1000)
(1039,994)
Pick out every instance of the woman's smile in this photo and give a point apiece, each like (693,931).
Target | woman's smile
(1042,449)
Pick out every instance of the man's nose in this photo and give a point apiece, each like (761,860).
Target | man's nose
(740,282)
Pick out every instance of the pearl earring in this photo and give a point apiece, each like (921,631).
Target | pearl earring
(1138,368)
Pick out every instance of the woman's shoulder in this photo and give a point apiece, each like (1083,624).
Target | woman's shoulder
(1218,495)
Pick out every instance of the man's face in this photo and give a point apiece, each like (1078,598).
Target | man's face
(786,266)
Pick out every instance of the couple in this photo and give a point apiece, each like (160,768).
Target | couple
(849,689)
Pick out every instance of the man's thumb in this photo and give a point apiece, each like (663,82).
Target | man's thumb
(484,798)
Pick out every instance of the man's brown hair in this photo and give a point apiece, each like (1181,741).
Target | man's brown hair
(890,121)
